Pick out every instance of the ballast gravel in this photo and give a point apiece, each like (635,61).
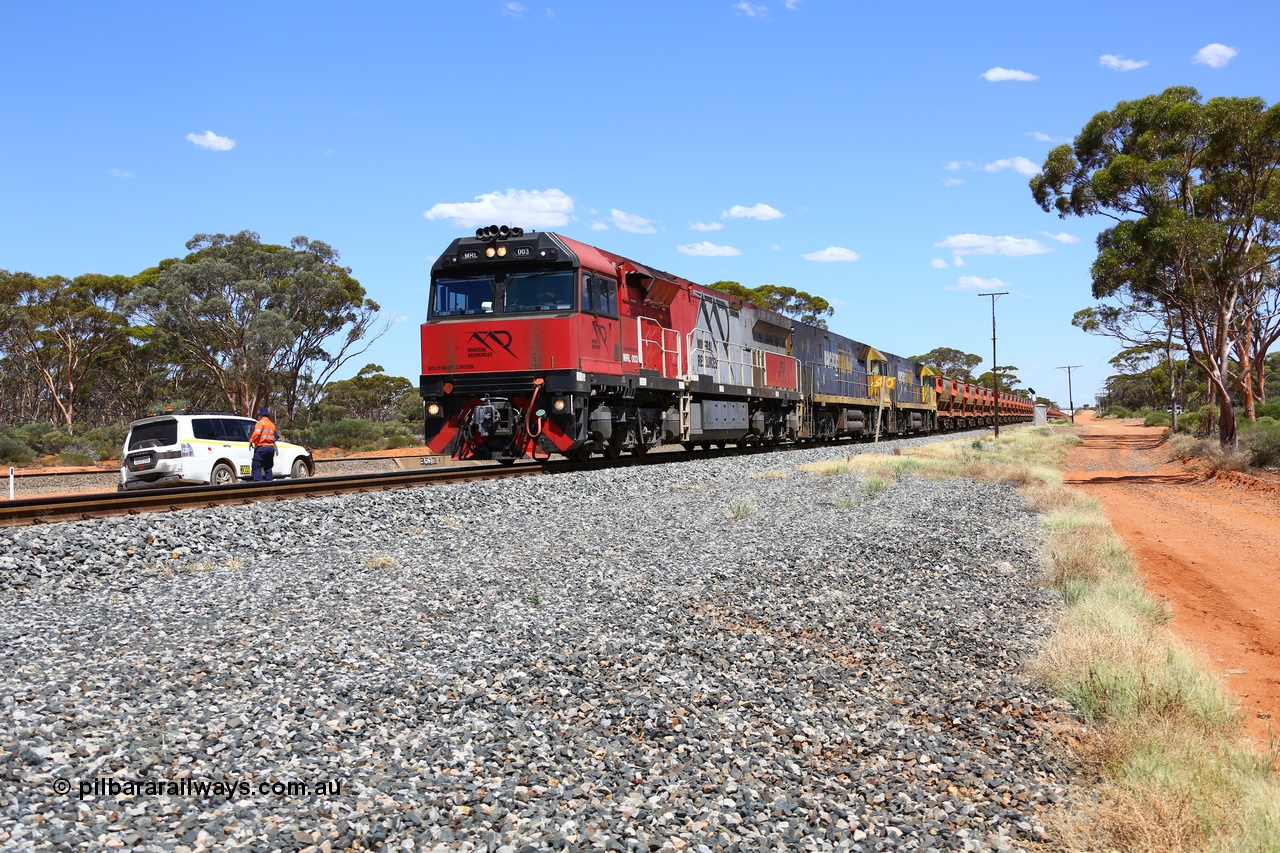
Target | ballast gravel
(725,654)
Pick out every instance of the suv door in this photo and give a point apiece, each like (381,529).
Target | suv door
(235,433)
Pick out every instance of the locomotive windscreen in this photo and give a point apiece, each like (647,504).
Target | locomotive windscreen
(506,293)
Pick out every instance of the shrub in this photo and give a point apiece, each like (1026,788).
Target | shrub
(1270,410)
(53,442)
(1114,412)
(1189,423)
(1157,418)
(348,433)
(14,451)
(78,454)
(396,441)
(105,440)
(1264,444)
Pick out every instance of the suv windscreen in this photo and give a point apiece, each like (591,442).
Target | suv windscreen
(153,434)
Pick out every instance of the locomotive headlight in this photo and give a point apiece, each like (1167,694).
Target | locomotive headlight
(433,409)
(502,251)
(559,404)
(490,252)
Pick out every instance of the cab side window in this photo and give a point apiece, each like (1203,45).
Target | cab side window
(588,303)
(607,297)
(203,429)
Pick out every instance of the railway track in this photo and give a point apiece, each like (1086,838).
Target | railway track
(90,505)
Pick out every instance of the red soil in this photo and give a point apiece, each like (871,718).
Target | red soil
(1209,546)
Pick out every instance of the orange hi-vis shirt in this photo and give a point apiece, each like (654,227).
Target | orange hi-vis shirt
(264,433)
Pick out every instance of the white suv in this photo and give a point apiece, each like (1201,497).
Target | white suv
(197,448)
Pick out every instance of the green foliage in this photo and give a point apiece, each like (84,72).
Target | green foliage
(397,441)
(1115,412)
(370,394)
(14,451)
(1191,187)
(1263,443)
(805,307)
(348,434)
(951,363)
(1157,418)
(1270,410)
(78,454)
(247,316)
(741,509)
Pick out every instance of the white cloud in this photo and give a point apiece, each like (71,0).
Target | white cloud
(631,223)
(1044,137)
(120,173)
(958,164)
(705,226)
(1062,237)
(598,226)
(793,4)
(708,250)
(526,208)
(998,74)
(953,182)
(515,10)
(1021,165)
(761,211)
(981,244)
(1215,55)
(938,264)
(957,260)
(212,141)
(750,10)
(1119,63)
(972,282)
(831,254)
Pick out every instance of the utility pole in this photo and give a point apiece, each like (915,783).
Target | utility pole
(995,377)
(1071,404)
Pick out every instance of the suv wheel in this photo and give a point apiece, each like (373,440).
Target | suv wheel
(299,470)
(223,475)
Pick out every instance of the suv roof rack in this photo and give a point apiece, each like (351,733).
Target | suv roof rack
(169,410)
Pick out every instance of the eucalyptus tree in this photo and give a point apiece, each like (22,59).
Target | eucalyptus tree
(250,317)
(1194,192)
(950,362)
(803,306)
(68,334)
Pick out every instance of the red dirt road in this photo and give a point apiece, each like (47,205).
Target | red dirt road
(1207,546)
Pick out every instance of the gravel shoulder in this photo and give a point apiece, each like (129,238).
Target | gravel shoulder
(596,660)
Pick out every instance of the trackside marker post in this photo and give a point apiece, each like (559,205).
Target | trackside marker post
(10,482)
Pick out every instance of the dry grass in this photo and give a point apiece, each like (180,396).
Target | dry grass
(380,561)
(1163,736)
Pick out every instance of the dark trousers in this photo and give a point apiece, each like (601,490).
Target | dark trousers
(263,458)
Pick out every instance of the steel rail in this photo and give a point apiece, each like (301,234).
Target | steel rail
(91,505)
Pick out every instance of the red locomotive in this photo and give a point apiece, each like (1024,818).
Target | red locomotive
(536,344)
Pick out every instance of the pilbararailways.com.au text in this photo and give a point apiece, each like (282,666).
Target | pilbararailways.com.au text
(227,789)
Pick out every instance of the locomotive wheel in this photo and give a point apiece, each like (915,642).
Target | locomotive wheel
(582,454)
(612,451)
(640,450)
(688,445)
(506,463)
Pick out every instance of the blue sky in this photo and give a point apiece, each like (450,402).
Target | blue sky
(873,153)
